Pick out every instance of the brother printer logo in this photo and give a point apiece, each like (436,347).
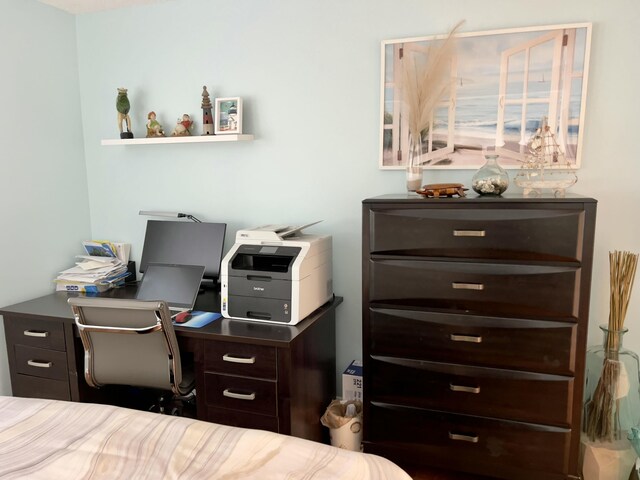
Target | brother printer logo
(259,289)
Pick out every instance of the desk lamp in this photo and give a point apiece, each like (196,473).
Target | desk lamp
(169,214)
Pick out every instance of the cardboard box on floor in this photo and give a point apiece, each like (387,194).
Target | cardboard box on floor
(352,381)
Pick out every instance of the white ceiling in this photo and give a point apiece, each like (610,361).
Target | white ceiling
(87,6)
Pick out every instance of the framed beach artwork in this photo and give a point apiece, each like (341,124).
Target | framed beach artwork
(228,115)
(504,84)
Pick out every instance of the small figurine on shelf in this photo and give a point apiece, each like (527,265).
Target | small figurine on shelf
(123,106)
(183,126)
(154,129)
(207,117)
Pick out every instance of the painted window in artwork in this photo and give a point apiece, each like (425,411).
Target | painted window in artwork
(545,69)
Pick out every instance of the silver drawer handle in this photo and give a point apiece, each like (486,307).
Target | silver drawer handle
(465,338)
(463,388)
(36,333)
(463,438)
(35,363)
(239,396)
(467,286)
(468,233)
(230,358)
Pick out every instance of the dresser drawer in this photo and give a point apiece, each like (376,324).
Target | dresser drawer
(36,333)
(40,362)
(240,359)
(240,393)
(534,345)
(480,288)
(488,392)
(504,233)
(502,448)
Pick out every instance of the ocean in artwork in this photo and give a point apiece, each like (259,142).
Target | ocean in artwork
(476,118)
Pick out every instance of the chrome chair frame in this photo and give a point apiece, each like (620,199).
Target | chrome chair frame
(162,326)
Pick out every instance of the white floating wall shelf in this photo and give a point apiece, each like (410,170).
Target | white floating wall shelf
(186,139)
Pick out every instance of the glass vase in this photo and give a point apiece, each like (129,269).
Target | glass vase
(414,167)
(491,178)
(612,389)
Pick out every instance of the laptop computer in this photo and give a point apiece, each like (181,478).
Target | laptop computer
(178,285)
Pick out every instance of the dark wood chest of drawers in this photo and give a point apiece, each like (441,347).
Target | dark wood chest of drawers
(475,317)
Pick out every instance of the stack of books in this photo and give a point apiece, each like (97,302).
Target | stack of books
(103,267)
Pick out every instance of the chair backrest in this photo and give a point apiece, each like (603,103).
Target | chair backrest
(128,342)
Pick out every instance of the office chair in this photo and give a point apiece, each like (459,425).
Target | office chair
(130,342)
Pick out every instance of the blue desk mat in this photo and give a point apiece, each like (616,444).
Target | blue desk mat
(199,319)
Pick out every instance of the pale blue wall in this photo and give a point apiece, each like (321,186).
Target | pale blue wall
(43,192)
(309,73)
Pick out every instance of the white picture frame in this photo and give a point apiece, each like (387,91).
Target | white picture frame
(503,83)
(228,116)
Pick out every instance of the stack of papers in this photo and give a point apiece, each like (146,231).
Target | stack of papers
(102,268)
(105,248)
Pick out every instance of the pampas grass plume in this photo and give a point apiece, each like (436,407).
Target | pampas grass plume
(424,85)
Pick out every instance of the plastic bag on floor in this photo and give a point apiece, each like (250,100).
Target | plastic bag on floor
(344,420)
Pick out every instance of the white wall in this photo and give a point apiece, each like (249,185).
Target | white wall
(43,193)
(309,75)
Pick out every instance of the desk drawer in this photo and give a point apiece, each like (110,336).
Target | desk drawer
(534,345)
(240,393)
(240,359)
(240,419)
(36,387)
(487,392)
(499,233)
(35,333)
(492,446)
(481,288)
(40,362)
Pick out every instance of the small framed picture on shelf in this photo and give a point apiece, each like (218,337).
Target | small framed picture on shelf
(228,115)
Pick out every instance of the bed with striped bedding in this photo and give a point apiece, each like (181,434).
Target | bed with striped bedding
(47,439)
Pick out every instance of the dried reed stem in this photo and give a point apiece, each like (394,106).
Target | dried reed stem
(425,83)
(600,425)
(601,422)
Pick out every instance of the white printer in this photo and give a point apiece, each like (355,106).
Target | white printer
(276,274)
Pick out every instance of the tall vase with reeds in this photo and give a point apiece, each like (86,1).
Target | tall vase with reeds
(414,164)
(612,388)
(426,80)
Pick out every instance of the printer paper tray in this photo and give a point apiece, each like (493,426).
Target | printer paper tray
(266,309)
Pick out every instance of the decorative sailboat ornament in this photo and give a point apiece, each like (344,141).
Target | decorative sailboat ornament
(545,165)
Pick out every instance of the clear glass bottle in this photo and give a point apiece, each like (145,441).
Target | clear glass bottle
(491,178)
(612,389)
(414,167)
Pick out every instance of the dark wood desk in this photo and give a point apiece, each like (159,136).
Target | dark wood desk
(293,375)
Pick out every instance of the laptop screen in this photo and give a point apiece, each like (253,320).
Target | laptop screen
(177,285)
(186,243)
